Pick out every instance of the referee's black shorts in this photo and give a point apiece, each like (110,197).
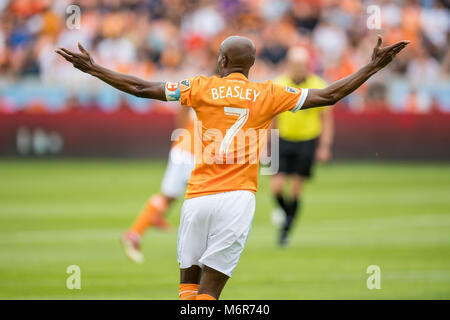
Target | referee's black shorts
(297,157)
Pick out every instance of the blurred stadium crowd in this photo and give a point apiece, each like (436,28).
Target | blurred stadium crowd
(175,39)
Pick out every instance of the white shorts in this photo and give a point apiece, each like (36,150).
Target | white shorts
(178,171)
(214,229)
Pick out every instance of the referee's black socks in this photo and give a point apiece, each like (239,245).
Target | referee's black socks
(282,203)
(293,207)
(291,210)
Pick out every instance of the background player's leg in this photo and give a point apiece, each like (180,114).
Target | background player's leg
(301,171)
(296,194)
(277,183)
(292,207)
(278,180)
(211,284)
(173,185)
(189,282)
(151,215)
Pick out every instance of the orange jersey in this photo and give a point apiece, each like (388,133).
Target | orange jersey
(233,115)
(186,142)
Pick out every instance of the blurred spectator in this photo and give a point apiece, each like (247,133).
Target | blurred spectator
(174,39)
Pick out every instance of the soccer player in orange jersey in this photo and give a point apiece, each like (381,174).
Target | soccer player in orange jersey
(179,166)
(234,112)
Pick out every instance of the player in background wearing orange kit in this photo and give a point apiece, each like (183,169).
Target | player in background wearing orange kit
(220,199)
(179,166)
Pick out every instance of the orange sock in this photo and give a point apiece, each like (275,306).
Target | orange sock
(151,214)
(188,291)
(205,296)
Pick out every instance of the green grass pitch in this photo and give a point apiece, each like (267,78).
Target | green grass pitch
(56,213)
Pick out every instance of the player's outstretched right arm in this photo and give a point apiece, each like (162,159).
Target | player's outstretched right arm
(341,88)
(123,82)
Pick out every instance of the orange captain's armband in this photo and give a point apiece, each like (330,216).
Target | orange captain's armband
(172,91)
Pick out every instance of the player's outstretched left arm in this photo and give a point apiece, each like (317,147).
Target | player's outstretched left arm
(123,82)
(381,57)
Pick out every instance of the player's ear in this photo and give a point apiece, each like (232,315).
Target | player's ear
(253,61)
(224,62)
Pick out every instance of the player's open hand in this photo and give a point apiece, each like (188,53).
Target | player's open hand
(82,61)
(382,56)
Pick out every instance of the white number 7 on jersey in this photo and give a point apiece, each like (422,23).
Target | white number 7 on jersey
(242,115)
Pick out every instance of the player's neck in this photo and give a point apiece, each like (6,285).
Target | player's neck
(227,72)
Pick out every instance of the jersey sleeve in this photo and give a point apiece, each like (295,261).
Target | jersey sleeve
(287,98)
(183,91)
